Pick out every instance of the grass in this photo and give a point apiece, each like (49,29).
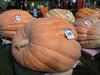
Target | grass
(5,63)
(89,67)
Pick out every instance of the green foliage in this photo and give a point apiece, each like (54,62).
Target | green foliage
(5,62)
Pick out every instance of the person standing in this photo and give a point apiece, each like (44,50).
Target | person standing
(80,4)
(87,3)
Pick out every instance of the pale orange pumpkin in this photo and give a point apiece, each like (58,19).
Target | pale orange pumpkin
(12,20)
(61,13)
(88,29)
(41,45)
(97,9)
(87,12)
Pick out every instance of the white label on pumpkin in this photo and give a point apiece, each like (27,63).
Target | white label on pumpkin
(18,18)
(69,34)
(87,22)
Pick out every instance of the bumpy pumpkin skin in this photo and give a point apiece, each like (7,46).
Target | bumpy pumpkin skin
(88,32)
(61,13)
(12,20)
(87,12)
(42,46)
(97,9)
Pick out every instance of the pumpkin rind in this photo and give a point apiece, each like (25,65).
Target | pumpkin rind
(88,34)
(87,12)
(42,46)
(61,13)
(12,20)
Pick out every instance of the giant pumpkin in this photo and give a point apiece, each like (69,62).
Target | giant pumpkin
(41,45)
(88,29)
(12,20)
(61,13)
(97,9)
(87,12)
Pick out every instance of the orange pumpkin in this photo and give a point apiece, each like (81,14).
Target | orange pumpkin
(41,45)
(61,13)
(12,20)
(87,12)
(97,9)
(88,32)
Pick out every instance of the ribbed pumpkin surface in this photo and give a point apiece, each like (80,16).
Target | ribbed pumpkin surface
(41,45)
(87,12)
(61,13)
(12,20)
(98,10)
(88,30)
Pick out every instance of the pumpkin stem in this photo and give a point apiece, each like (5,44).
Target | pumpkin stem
(22,44)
